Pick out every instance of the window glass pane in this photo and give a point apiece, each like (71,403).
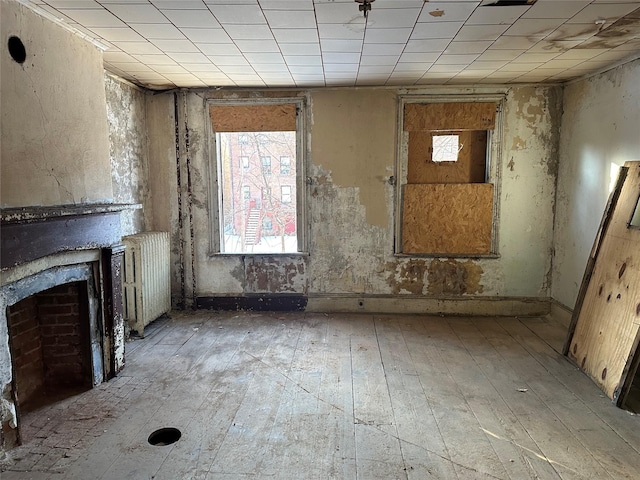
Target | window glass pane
(285,166)
(445,148)
(258,210)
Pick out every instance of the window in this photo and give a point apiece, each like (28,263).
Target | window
(285,165)
(257,211)
(266,165)
(285,191)
(446,206)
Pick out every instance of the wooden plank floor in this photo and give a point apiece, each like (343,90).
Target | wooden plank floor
(311,396)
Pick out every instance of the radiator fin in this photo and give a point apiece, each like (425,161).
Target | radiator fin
(147,278)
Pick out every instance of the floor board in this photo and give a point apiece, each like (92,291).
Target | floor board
(307,396)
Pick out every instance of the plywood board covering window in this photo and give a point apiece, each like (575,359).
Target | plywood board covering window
(447,206)
(447,218)
(254,118)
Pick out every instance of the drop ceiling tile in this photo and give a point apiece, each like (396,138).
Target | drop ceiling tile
(430,78)
(286,4)
(339,13)
(419,57)
(218,48)
(264,57)
(158,31)
(138,48)
(302,79)
(371,80)
(446,68)
(382,48)
(368,60)
(338,31)
(340,68)
(216,80)
(155,59)
(412,67)
(387,35)
(266,46)
(471,33)
(300,48)
(176,46)
(393,17)
(512,43)
(227,60)
(556,9)
(198,68)
(460,48)
(207,35)
(451,11)
(609,12)
(435,30)
(238,70)
(295,35)
(572,32)
(189,57)
(93,18)
(303,60)
(136,13)
(336,57)
(581,53)
(133,67)
(563,63)
(533,27)
(487,65)
(249,32)
(191,18)
(519,67)
(499,55)
(119,57)
(74,4)
(455,59)
(238,14)
(347,46)
(430,45)
(291,19)
(549,46)
(375,69)
(504,15)
(118,34)
(306,70)
(180,4)
(271,68)
(536,57)
(166,69)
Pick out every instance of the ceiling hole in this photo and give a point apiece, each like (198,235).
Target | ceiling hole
(164,436)
(604,373)
(17,50)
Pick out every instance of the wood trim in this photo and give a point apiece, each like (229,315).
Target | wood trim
(275,303)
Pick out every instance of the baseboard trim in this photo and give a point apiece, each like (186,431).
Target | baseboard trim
(354,303)
(561,313)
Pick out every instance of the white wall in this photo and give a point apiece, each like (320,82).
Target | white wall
(55,144)
(600,127)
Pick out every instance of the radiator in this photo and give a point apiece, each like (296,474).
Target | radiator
(147,280)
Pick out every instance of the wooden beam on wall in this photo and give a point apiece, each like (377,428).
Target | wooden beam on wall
(253,118)
(449,116)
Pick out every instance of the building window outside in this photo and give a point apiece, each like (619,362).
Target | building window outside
(285,191)
(266,165)
(246,192)
(445,148)
(285,165)
(244,160)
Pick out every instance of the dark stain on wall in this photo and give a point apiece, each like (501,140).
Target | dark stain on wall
(407,276)
(452,277)
(275,275)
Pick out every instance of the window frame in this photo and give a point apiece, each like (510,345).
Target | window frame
(216,228)
(492,175)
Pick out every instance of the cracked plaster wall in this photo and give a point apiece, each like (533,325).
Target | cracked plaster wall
(55,144)
(599,129)
(350,205)
(126,115)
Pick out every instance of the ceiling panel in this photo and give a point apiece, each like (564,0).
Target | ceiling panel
(251,43)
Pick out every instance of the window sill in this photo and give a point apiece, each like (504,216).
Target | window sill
(448,255)
(257,254)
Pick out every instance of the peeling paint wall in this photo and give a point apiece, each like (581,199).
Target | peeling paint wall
(599,130)
(351,204)
(126,115)
(55,145)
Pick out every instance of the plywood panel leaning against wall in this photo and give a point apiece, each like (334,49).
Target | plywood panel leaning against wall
(603,338)
(447,218)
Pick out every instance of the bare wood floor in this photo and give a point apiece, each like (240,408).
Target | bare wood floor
(310,396)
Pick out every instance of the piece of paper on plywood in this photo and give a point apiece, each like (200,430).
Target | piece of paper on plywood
(605,340)
(469,168)
(253,118)
(447,218)
(449,116)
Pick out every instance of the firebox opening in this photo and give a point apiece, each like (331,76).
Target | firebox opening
(49,340)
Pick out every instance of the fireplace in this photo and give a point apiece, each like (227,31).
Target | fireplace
(61,324)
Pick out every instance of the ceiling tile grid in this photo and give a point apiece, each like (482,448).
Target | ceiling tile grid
(163,44)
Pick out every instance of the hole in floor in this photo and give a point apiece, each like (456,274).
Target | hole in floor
(164,436)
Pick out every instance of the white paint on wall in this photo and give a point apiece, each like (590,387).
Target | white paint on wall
(599,128)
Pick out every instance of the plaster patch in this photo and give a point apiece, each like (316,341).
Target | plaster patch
(452,277)
(407,276)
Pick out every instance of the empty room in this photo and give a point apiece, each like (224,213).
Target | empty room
(309,239)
